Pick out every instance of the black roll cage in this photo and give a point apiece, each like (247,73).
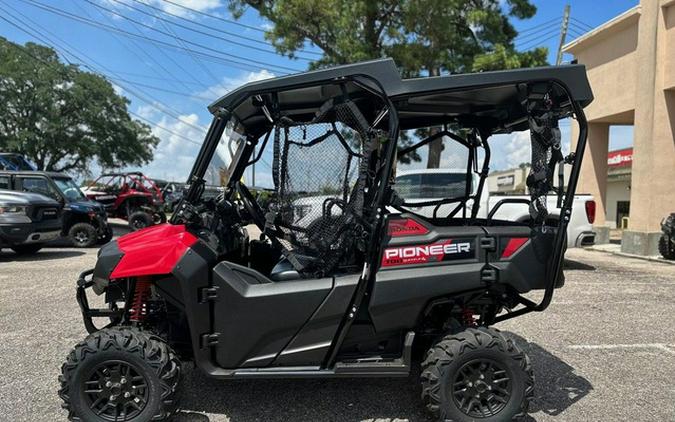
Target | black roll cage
(365,284)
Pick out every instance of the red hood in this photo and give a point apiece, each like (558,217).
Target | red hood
(153,250)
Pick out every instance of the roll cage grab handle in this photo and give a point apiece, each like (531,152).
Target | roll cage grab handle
(553,271)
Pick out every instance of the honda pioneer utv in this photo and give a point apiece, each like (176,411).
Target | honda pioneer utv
(368,285)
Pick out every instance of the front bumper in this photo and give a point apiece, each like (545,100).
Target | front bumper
(83,283)
(19,234)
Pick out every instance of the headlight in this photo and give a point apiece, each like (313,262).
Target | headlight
(12,209)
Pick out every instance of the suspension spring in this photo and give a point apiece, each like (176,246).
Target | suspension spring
(468,318)
(139,306)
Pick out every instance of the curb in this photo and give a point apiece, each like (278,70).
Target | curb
(630,255)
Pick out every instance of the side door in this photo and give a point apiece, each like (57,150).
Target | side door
(6,182)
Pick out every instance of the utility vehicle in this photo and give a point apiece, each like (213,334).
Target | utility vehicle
(85,222)
(27,220)
(130,196)
(362,293)
(667,238)
(12,161)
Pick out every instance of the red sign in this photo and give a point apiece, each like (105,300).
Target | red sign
(620,158)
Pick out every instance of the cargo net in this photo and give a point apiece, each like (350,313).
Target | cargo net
(546,154)
(319,171)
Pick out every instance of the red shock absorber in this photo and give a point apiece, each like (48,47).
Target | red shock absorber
(139,305)
(468,318)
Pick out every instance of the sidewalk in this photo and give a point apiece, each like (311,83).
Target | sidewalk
(615,249)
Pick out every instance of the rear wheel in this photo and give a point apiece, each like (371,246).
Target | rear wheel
(82,235)
(27,249)
(140,220)
(477,374)
(120,374)
(666,247)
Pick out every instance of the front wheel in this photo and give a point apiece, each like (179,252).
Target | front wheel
(477,374)
(120,374)
(82,235)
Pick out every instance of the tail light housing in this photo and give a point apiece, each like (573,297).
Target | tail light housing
(590,211)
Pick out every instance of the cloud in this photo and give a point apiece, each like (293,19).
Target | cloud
(198,5)
(228,84)
(174,155)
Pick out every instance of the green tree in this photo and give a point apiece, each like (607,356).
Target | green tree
(61,117)
(424,37)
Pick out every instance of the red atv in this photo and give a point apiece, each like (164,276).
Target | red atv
(129,196)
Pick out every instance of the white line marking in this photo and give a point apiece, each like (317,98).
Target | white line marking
(658,346)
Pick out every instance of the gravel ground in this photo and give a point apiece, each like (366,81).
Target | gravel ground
(603,351)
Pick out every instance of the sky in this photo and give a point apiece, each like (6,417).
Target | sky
(170,88)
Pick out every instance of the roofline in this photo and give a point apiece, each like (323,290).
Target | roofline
(385,72)
(604,30)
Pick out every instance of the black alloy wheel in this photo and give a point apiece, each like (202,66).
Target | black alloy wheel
(82,235)
(116,391)
(481,388)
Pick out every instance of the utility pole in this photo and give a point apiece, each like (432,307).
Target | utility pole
(563,33)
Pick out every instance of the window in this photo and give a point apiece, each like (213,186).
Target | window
(38,185)
(5,182)
(429,186)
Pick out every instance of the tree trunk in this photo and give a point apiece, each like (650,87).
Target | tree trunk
(435,147)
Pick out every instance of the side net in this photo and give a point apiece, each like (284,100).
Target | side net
(319,171)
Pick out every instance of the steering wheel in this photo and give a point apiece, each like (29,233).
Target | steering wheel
(251,205)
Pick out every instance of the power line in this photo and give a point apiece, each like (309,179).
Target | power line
(210,28)
(205,47)
(538,36)
(538,43)
(544,25)
(140,48)
(156,41)
(579,27)
(152,28)
(143,96)
(590,27)
(138,116)
(220,18)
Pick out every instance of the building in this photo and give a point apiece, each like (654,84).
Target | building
(631,68)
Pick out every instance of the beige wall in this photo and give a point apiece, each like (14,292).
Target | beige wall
(616,191)
(669,45)
(611,63)
(631,69)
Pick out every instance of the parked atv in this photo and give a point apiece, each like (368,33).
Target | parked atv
(667,239)
(84,221)
(364,290)
(129,196)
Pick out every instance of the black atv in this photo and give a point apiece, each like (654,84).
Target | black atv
(667,239)
(368,286)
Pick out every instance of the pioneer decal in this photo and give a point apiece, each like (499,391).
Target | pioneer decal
(405,227)
(444,250)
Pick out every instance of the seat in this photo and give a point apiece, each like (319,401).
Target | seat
(284,271)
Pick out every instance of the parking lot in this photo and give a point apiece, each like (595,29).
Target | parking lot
(604,350)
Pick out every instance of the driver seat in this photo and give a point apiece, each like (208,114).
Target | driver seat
(284,271)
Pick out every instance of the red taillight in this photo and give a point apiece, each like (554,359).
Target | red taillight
(590,211)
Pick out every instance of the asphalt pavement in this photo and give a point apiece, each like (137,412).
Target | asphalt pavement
(603,351)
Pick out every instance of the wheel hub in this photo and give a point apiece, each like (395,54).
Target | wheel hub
(481,388)
(116,391)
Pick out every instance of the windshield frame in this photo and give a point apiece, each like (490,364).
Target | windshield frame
(69,181)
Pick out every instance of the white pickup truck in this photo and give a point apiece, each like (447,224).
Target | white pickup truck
(434,184)
(417,186)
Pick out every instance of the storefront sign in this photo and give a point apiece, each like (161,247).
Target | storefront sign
(505,180)
(620,158)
